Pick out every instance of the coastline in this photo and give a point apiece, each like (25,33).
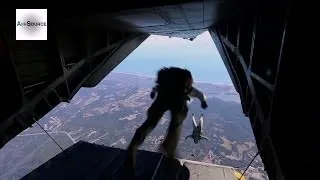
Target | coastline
(141,75)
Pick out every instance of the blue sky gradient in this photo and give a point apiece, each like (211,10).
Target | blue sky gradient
(200,56)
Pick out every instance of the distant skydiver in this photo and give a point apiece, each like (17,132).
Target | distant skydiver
(174,86)
(197,133)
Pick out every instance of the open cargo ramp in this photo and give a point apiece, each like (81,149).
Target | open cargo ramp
(91,161)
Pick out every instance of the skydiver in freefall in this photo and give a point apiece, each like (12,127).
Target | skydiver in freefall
(173,88)
(197,133)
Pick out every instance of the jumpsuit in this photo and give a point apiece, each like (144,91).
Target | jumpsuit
(174,100)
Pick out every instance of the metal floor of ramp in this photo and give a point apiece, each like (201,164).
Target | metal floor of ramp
(204,171)
(96,162)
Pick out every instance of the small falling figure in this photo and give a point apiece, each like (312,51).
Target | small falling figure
(197,133)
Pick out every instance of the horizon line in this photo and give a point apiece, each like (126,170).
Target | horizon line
(142,75)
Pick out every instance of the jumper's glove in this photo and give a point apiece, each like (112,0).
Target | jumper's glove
(188,98)
(204,105)
(152,95)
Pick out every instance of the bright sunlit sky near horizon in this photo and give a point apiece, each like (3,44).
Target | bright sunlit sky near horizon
(200,56)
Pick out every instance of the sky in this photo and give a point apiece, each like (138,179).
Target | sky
(200,56)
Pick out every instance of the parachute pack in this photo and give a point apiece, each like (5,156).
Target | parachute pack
(174,78)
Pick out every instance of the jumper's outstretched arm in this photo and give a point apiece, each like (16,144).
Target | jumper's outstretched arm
(190,136)
(198,94)
(201,122)
(204,137)
(194,123)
